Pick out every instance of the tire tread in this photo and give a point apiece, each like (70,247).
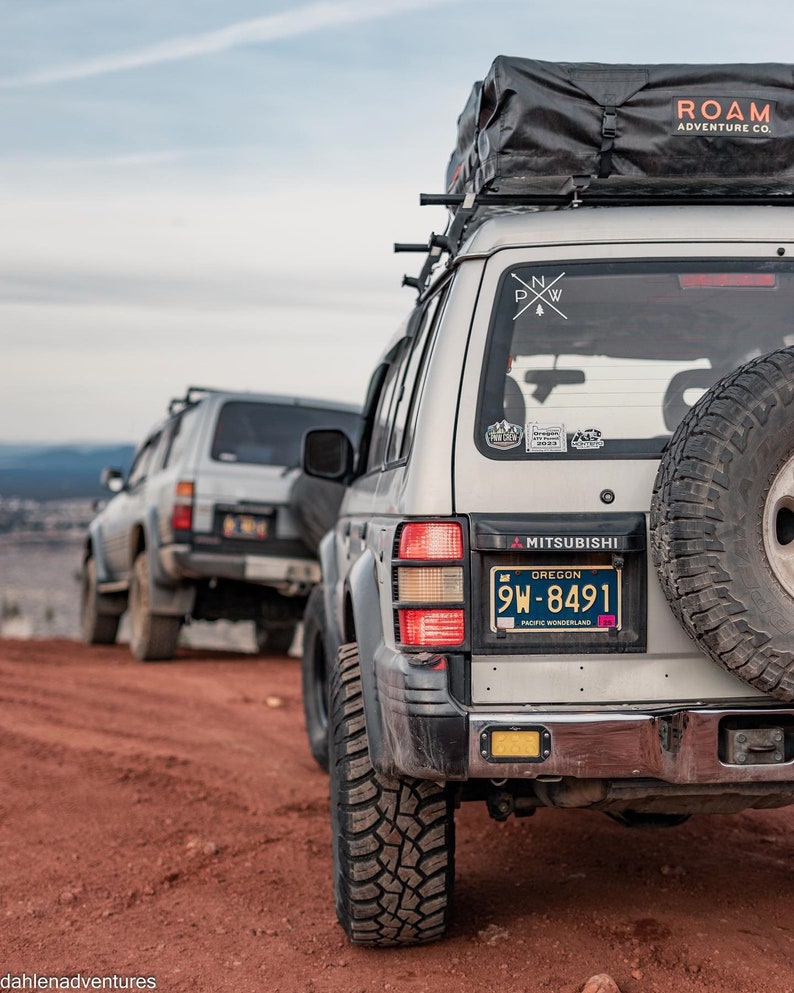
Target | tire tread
(704,497)
(394,837)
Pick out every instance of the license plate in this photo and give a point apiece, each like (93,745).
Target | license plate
(570,598)
(250,526)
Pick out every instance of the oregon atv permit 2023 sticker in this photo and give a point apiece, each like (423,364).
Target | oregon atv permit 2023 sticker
(503,435)
(546,438)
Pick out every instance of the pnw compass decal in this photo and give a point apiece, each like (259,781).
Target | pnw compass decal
(539,295)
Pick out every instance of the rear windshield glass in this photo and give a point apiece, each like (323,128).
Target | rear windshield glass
(600,361)
(271,434)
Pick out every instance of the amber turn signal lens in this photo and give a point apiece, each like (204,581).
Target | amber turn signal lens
(430,584)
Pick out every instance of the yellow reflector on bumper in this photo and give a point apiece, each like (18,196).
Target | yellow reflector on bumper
(515,744)
(430,584)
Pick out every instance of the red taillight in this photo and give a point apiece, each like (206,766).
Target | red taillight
(432,627)
(430,598)
(182,514)
(182,518)
(431,540)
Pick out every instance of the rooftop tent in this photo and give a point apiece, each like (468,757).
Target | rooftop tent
(534,125)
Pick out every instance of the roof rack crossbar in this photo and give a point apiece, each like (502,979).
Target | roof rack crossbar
(575,192)
(606,199)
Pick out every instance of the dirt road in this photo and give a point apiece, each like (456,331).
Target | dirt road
(167,822)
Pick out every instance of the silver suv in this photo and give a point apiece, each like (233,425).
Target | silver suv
(562,573)
(203,526)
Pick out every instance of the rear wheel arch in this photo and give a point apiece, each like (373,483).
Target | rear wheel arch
(348,619)
(138,542)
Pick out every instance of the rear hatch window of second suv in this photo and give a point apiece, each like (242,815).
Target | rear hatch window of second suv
(260,433)
(604,360)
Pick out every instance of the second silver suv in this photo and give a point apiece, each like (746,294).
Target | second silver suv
(202,527)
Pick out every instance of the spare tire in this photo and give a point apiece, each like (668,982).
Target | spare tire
(722,523)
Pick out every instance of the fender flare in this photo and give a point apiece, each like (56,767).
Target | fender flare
(93,549)
(165,596)
(365,601)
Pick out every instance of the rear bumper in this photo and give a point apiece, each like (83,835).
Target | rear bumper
(288,574)
(686,747)
(426,734)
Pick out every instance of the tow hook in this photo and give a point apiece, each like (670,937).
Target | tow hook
(754,746)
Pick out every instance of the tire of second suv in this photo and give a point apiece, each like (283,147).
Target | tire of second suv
(97,627)
(154,636)
(722,523)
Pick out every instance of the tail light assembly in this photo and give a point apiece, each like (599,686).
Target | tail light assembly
(430,585)
(182,513)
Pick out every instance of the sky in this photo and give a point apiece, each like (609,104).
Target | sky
(204,193)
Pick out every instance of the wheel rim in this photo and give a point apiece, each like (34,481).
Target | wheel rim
(779,526)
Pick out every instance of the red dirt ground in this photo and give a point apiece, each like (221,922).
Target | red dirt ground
(167,821)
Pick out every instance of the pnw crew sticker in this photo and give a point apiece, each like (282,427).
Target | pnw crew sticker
(503,435)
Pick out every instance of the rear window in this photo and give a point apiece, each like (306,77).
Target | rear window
(271,434)
(604,360)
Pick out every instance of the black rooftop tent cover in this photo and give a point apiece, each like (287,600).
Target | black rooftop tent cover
(534,125)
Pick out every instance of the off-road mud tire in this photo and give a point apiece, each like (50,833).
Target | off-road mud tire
(154,636)
(722,523)
(314,676)
(393,838)
(97,627)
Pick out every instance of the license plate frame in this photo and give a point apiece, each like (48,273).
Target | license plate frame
(523,599)
(236,526)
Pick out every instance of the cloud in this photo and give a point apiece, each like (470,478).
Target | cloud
(288,24)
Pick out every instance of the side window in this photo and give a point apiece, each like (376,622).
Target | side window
(414,365)
(143,460)
(179,434)
(380,429)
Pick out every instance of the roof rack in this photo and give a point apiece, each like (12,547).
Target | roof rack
(193,395)
(575,193)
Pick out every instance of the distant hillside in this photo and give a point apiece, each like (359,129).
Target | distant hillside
(58,472)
